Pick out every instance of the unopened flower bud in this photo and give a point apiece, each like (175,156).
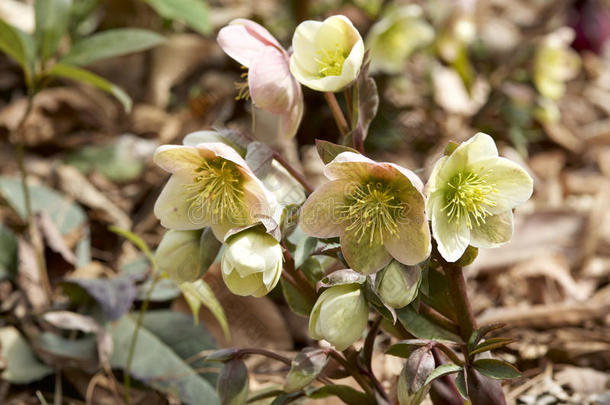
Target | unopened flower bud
(398,284)
(339,315)
(233,383)
(252,263)
(178,255)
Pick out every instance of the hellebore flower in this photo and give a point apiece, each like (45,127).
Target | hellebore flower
(398,284)
(327,55)
(252,263)
(391,40)
(270,83)
(471,194)
(339,315)
(211,185)
(377,210)
(555,63)
(178,255)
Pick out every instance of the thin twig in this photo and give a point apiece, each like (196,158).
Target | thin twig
(294,172)
(353,371)
(337,113)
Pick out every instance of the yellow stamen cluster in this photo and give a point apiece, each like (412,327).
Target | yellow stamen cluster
(216,192)
(371,210)
(243,91)
(468,198)
(330,61)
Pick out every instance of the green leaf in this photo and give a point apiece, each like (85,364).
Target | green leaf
(52,17)
(193,13)
(8,254)
(111,43)
(441,371)
(304,249)
(87,77)
(405,347)
(157,364)
(20,364)
(480,333)
(296,301)
(304,368)
(495,368)
(114,161)
(11,43)
(186,339)
(421,327)
(66,215)
(345,393)
(136,240)
(197,293)
(460,384)
(491,344)
(328,150)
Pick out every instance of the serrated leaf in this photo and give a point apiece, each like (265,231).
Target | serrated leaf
(480,333)
(156,363)
(111,43)
(8,254)
(87,77)
(20,364)
(345,393)
(442,370)
(328,150)
(52,17)
(193,13)
(421,327)
(495,368)
(491,344)
(304,249)
(405,347)
(66,215)
(199,292)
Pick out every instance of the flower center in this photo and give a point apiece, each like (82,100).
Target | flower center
(243,91)
(371,209)
(330,61)
(468,198)
(216,192)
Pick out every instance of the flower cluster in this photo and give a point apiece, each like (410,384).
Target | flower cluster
(380,214)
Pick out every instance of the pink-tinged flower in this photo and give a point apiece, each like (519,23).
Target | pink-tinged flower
(377,210)
(211,185)
(270,83)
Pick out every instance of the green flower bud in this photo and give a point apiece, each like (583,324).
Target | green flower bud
(339,315)
(305,367)
(178,255)
(411,389)
(252,263)
(398,284)
(232,385)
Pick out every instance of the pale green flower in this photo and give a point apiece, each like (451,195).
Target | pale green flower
(555,63)
(339,315)
(393,38)
(375,208)
(211,185)
(398,284)
(252,263)
(471,194)
(327,55)
(178,255)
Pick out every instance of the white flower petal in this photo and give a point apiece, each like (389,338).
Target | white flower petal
(497,230)
(177,158)
(173,208)
(452,238)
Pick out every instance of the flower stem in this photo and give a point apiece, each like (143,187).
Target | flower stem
(353,371)
(438,318)
(337,113)
(459,296)
(134,337)
(300,282)
(294,172)
(35,237)
(266,353)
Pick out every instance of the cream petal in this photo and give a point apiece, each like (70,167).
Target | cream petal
(324,84)
(479,147)
(177,158)
(495,231)
(224,151)
(195,138)
(343,326)
(303,46)
(361,256)
(412,245)
(270,82)
(244,286)
(333,33)
(513,184)
(319,215)
(452,238)
(438,177)
(412,177)
(172,206)
(351,165)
